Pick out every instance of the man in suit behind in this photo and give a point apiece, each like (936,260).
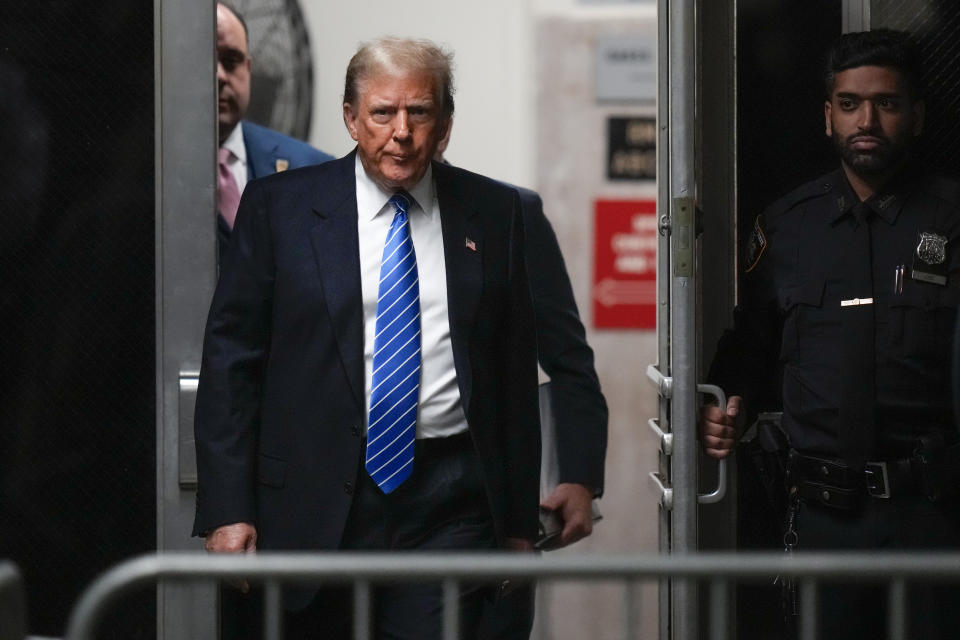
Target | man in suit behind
(577,404)
(298,364)
(579,408)
(247,150)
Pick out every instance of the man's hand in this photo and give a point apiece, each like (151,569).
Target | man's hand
(573,503)
(232,538)
(718,428)
(239,537)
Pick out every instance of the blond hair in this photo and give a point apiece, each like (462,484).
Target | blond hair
(397,56)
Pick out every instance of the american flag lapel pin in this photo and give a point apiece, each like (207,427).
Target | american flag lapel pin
(470,244)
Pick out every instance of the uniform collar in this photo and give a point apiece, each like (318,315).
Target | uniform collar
(885,203)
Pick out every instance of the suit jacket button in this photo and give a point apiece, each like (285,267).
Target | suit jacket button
(348,488)
(356,431)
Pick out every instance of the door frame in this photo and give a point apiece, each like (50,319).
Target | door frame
(186,271)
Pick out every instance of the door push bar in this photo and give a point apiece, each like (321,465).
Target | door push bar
(664,387)
(186,447)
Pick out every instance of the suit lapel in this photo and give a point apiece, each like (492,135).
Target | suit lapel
(336,248)
(261,152)
(462,249)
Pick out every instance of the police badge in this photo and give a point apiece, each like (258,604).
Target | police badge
(932,248)
(930,258)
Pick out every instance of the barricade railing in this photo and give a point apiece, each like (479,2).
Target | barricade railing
(364,570)
(13,606)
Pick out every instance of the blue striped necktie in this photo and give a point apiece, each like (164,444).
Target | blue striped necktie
(395,383)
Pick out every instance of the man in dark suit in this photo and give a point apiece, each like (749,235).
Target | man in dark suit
(301,359)
(247,150)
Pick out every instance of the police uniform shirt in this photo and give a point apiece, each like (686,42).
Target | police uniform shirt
(807,282)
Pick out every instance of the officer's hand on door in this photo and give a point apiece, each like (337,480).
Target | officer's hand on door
(718,427)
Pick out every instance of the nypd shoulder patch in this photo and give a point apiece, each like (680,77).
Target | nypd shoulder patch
(755,246)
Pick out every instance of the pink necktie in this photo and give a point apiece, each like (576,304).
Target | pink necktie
(228,191)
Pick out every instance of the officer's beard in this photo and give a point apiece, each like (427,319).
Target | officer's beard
(877,162)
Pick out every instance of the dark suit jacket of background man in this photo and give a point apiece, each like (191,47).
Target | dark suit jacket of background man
(579,409)
(281,399)
(577,404)
(264,148)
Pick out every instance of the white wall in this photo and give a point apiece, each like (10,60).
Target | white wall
(493,45)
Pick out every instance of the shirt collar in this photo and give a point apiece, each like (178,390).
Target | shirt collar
(889,200)
(842,195)
(234,143)
(885,203)
(371,199)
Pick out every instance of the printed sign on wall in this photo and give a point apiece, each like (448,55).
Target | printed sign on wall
(631,148)
(625,264)
(626,68)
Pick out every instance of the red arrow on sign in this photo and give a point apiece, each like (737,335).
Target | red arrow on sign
(610,292)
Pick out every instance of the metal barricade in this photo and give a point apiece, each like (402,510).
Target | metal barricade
(364,570)
(13,605)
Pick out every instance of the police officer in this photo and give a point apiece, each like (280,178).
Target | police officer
(848,305)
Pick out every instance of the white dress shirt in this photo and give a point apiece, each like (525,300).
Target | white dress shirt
(238,156)
(440,412)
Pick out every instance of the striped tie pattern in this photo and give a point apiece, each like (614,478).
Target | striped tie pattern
(395,382)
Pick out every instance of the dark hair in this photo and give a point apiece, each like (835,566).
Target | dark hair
(394,55)
(243,23)
(880,48)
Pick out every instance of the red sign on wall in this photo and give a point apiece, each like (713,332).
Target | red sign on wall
(625,264)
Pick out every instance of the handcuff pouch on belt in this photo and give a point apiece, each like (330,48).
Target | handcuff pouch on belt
(826,481)
(932,471)
(766,446)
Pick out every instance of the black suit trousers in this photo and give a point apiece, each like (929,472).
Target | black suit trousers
(442,506)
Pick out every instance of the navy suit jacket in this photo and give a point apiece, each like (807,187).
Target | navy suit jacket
(266,146)
(281,398)
(579,409)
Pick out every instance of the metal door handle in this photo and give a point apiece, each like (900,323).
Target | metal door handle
(187,459)
(664,386)
(717,494)
(666,439)
(666,493)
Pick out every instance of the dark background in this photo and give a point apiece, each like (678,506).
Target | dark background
(781,50)
(936,26)
(77,426)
